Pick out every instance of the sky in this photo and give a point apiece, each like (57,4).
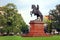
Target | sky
(24,7)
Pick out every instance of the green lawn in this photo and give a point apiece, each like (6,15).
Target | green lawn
(29,38)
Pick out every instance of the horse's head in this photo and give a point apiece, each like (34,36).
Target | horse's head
(33,7)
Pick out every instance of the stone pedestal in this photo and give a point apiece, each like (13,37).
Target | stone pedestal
(36,29)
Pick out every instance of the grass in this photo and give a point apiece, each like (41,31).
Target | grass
(29,38)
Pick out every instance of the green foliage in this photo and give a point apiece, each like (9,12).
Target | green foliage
(2,20)
(55,17)
(24,29)
(48,26)
(11,20)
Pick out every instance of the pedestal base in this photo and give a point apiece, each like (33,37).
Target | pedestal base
(36,29)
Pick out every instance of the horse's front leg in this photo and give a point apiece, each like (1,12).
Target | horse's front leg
(31,13)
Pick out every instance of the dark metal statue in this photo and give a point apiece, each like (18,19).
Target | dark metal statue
(36,12)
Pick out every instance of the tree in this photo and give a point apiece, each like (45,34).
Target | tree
(11,19)
(55,17)
(47,28)
(24,29)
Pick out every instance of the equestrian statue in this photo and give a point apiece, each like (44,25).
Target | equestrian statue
(35,11)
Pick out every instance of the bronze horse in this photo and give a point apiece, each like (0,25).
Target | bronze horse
(36,12)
